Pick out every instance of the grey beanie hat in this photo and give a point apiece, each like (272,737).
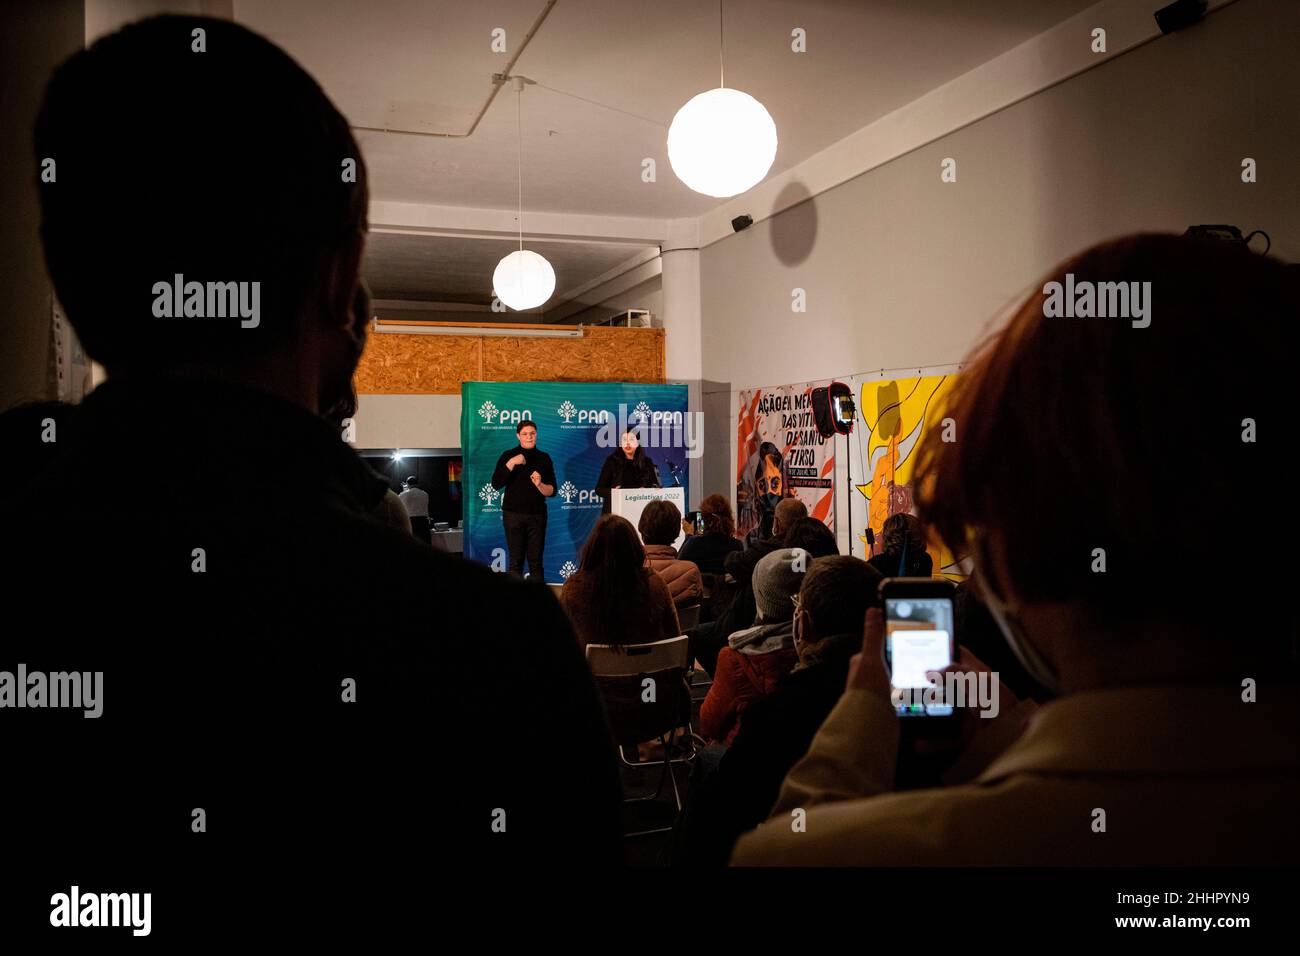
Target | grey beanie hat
(776,582)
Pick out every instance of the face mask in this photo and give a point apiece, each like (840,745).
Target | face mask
(1025,652)
(1030,659)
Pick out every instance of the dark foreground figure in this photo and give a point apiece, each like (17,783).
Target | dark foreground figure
(261,660)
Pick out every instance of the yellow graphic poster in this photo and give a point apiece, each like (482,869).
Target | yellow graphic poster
(894,414)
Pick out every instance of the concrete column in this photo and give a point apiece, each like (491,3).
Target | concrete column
(681,323)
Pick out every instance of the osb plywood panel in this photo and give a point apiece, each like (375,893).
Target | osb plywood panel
(601,355)
(417,364)
(395,364)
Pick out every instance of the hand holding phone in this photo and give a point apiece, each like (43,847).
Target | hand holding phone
(919,638)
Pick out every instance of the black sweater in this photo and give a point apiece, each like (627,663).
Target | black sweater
(522,496)
(618,471)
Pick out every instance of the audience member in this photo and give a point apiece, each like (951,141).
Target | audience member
(806,533)
(813,536)
(756,658)
(1070,487)
(416,502)
(903,553)
(660,525)
(613,597)
(258,647)
(835,594)
(708,550)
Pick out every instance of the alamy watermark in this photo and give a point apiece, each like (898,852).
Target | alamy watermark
(1100,300)
(75,908)
(958,690)
(654,429)
(82,690)
(179,299)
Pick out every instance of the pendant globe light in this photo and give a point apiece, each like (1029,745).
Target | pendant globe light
(722,142)
(523,279)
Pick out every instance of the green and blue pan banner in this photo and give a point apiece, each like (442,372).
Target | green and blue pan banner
(578,425)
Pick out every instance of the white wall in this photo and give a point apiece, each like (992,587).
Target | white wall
(408,421)
(646,295)
(904,271)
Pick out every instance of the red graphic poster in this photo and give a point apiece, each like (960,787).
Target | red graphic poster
(781,455)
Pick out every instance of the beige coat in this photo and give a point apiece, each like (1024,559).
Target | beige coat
(682,577)
(1185,775)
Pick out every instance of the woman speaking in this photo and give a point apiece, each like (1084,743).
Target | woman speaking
(627,466)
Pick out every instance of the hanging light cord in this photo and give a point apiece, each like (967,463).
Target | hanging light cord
(722,72)
(519,157)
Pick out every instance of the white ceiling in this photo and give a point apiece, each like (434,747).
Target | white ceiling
(427,65)
(454,269)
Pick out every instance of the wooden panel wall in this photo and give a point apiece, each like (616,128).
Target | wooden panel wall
(396,364)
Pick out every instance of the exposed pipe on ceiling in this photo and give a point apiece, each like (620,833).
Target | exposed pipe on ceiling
(498,80)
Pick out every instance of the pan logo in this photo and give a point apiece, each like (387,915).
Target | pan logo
(504,416)
(489,495)
(571,493)
(644,415)
(584,416)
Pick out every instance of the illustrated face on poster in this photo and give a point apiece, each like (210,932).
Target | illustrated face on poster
(781,455)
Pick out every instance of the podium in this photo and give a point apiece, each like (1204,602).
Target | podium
(630,502)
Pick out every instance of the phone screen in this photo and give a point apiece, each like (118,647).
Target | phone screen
(918,638)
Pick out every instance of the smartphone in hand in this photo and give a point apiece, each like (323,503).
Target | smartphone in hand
(918,638)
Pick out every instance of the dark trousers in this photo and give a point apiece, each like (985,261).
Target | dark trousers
(525,537)
(706,643)
(420,528)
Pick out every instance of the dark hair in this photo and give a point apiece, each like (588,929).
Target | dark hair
(660,523)
(344,408)
(1085,433)
(526,423)
(223,166)
(717,516)
(613,561)
(412,481)
(900,528)
(836,592)
(811,535)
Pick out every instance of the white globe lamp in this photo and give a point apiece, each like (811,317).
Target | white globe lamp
(722,142)
(523,280)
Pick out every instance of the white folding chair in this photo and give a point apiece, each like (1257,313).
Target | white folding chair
(621,673)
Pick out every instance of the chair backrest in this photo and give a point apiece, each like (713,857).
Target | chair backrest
(608,660)
(621,678)
(689,616)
